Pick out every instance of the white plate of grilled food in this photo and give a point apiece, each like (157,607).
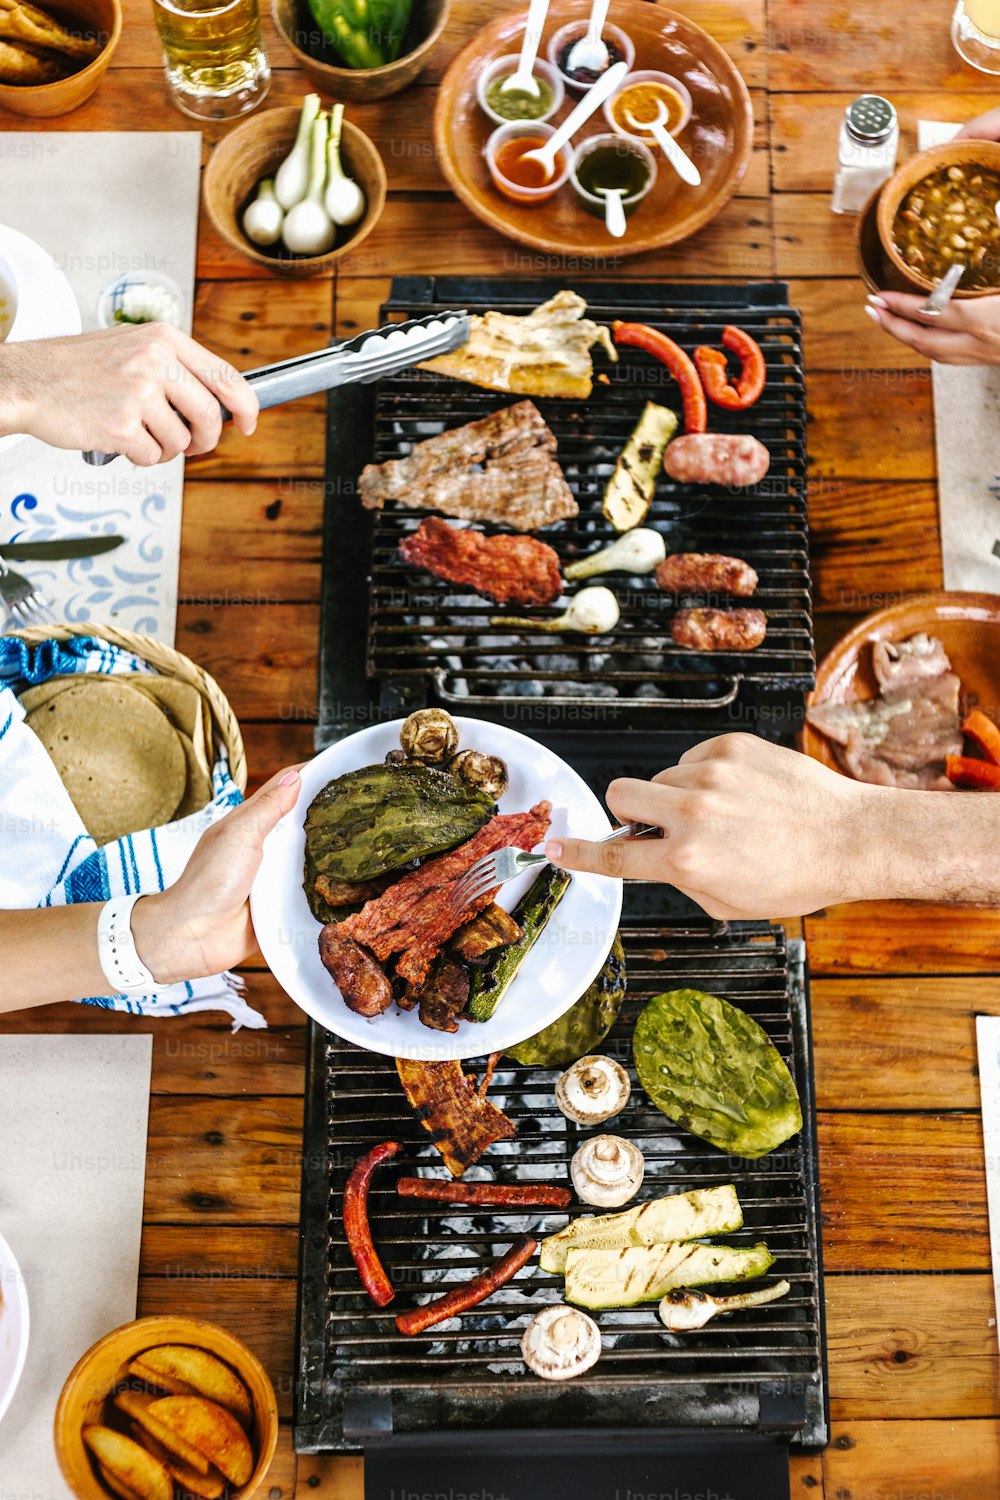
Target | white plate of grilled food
(13,1325)
(364,868)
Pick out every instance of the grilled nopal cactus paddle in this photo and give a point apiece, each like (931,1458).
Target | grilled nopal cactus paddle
(584,1025)
(710,1068)
(378,818)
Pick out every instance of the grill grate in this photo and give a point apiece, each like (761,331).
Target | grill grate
(421,632)
(359,1376)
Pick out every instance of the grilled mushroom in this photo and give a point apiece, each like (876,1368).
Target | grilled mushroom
(396,758)
(561,1342)
(487,772)
(429,736)
(607,1171)
(592,1090)
(686,1309)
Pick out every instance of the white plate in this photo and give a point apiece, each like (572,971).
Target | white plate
(46,306)
(566,958)
(13,1325)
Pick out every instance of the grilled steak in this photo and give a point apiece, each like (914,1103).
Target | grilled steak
(908,663)
(357,976)
(459,1118)
(719,629)
(509,569)
(445,995)
(415,917)
(501,468)
(706,573)
(477,942)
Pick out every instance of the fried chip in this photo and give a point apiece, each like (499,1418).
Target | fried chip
(136,1404)
(212,1430)
(202,1372)
(131,1465)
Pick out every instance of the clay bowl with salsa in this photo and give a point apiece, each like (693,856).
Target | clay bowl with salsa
(939,208)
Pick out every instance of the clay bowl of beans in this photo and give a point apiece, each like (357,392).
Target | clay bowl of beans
(941,208)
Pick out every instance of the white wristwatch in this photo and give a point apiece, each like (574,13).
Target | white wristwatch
(124,969)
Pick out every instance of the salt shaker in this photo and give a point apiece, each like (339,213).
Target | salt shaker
(869,141)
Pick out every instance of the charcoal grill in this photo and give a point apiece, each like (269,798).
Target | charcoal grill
(427,642)
(363,1385)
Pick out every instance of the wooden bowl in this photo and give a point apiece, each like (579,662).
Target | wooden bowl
(104,1366)
(719,136)
(256,149)
(967,624)
(100,18)
(323,65)
(952,154)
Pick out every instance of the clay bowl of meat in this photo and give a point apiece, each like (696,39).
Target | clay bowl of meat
(891,694)
(940,208)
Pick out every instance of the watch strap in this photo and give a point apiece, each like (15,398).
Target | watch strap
(123,968)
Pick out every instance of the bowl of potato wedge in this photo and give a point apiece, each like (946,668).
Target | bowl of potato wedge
(166,1407)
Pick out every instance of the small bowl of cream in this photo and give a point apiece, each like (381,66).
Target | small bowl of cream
(518,104)
(141,297)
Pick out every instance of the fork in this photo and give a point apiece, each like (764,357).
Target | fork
(25,605)
(496,869)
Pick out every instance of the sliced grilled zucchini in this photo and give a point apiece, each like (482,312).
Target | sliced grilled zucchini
(629,492)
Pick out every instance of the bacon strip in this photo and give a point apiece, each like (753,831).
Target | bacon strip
(456,1113)
(485,1194)
(461,1298)
(415,917)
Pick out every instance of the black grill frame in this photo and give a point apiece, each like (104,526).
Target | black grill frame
(767,526)
(352,1398)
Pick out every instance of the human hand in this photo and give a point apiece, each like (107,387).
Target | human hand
(966,333)
(146,390)
(750,830)
(985,127)
(201,924)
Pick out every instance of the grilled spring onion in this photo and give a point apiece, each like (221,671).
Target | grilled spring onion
(682,1216)
(638,551)
(532,912)
(645,1273)
(630,489)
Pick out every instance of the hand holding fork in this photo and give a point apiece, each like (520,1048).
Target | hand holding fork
(497,869)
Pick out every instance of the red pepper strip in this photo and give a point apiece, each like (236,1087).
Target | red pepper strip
(488,1194)
(359,1236)
(984,734)
(641,336)
(470,1293)
(714,371)
(979,775)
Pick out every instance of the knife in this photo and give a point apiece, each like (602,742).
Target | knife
(60,551)
(367,357)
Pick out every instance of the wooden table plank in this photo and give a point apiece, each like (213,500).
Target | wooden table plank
(253,543)
(903,1192)
(899,1044)
(871,433)
(264,659)
(916,1460)
(912,1346)
(903,938)
(223,1161)
(866,536)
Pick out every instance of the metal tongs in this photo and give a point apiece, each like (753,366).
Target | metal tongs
(367,357)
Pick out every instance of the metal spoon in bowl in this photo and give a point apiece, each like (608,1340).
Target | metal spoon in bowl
(675,154)
(590,54)
(523,80)
(942,293)
(588,105)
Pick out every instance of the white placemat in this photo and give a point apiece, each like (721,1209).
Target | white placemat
(103,203)
(988,1050)
(73,1112)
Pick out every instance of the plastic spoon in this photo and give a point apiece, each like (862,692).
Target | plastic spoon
(590,54)
(675,154)
(588,105)
(523,80)
(614,210)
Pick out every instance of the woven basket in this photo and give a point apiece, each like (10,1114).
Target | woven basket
(168,663)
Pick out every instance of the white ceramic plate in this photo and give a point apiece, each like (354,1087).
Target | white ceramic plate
(13,1325)
(566,958)
(46,306)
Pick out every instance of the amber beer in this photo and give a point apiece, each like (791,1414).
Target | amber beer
(985,16)
(213,55)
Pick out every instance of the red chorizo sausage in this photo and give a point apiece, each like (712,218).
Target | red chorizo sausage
(470,1293)
(706,573)
(486,1194)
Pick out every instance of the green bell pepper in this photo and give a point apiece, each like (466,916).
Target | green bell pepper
(366,33)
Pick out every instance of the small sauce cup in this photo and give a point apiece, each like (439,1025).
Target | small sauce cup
(679,117)
(595,203)
(575,31)
(533,134)
(503,67)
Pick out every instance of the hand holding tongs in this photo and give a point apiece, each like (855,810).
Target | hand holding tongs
(370,356)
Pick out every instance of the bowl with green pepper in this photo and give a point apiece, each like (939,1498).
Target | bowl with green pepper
(361,49)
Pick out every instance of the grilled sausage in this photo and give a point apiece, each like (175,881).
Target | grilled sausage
(355,972)
(461,1298)
(485,1194)
(735,461)
(706,573)
(719,629)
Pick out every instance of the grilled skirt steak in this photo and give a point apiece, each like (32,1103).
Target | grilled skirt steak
(509,569)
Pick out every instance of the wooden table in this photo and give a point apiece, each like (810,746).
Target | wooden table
(913,1353)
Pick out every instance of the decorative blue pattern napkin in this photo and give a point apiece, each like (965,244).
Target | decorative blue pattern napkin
(47,858)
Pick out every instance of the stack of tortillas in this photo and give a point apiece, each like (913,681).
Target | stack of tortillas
(133,752)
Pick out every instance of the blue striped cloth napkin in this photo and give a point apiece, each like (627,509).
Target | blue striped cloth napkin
(47,858)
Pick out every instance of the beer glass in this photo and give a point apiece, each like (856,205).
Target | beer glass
(213,56)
